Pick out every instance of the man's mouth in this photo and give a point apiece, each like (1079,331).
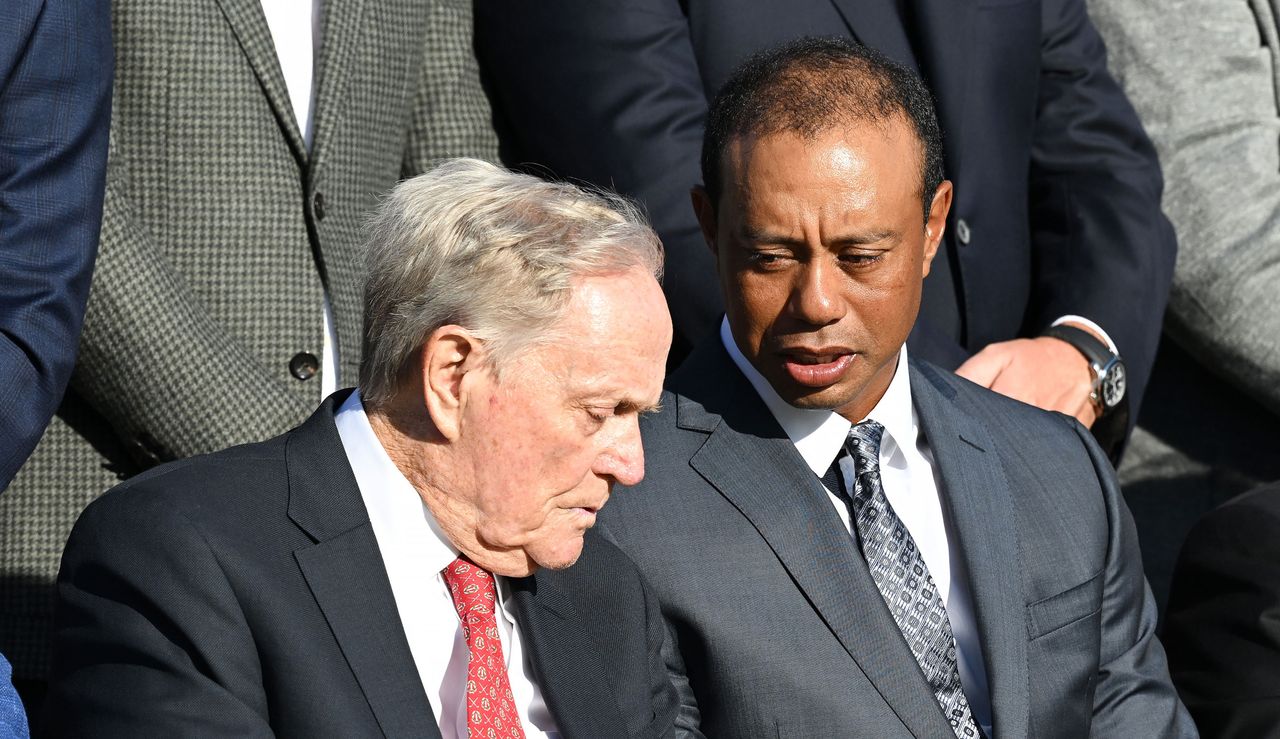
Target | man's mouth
(818,367)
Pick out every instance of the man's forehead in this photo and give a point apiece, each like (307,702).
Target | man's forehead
(751,152)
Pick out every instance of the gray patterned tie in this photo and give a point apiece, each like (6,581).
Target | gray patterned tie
(904,581)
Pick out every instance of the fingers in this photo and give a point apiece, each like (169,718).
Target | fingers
(984,367)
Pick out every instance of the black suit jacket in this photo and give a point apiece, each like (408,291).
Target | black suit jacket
(1223,624)
(1056,183)
(243,594)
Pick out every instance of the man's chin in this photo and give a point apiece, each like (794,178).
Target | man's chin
(560,557)
(827,398)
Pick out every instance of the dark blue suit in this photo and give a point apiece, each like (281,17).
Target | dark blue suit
(55,104)
(1056,183)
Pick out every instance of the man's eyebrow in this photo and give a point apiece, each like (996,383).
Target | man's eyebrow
(631,406)
(764,236)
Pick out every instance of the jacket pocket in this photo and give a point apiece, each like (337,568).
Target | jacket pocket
(1052,613)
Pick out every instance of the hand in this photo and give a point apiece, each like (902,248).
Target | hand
(1046,372)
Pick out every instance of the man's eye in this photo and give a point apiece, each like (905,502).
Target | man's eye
(766,260)
(861,258)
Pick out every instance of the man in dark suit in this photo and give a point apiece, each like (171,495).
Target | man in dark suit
(55,104)
(1057,202)
(1223,622)
(396,565)
(844,541)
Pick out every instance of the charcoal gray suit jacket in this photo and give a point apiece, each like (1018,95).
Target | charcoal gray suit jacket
(243,594)
(779,629)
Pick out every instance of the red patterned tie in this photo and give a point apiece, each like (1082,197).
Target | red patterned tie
(491,709)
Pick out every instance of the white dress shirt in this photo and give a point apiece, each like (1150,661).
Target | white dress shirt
(913,487)
(414,551)
(295,31)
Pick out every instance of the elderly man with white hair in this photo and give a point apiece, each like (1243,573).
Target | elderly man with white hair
(399,564)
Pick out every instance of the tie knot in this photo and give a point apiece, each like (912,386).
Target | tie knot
(864,444)
(471,587)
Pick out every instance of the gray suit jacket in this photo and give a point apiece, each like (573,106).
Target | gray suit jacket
(219,232)
(1204,76)
(779,629)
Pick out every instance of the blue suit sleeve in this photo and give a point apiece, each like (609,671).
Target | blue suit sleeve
(55,97)
(609,93)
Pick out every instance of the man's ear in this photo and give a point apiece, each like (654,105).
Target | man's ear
(447,357)
(705,210)
(936,224)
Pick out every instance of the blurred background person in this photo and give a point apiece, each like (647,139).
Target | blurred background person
(1208,93)
(1057,211)
(1222,630)
(249,140)
(55,104)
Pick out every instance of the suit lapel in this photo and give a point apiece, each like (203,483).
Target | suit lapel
(981,504)
(340,36)
(876,23)
(254,36)
(752,463)
(568,662)
(346,575)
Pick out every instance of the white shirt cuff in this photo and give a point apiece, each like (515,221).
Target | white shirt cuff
(1091,326)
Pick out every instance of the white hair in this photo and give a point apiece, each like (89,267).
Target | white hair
(496,252)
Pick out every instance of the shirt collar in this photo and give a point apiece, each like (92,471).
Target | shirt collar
(395,508)
(818,435)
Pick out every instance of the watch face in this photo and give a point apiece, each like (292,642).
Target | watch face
(1113,385)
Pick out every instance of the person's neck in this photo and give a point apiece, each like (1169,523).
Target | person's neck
(423,457)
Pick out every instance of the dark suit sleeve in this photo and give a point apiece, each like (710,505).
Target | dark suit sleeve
(608,92)
(55,105)
(1222,627)
(1102,248)
(1133,695)
(667,666)
(149,639)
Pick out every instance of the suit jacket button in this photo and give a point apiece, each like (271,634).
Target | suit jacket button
(962,232)
(317,205)
(304,365)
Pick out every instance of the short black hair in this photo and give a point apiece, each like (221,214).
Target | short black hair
(810,86)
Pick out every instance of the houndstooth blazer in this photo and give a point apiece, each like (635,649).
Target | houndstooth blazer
(220,234)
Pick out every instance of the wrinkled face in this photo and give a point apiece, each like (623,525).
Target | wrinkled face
(559,426)
(821,252)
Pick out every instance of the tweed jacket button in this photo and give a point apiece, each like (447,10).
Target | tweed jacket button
(962,232)
(304,365)
(317,205)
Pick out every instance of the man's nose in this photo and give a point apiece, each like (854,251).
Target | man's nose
(624,460)
(816,294)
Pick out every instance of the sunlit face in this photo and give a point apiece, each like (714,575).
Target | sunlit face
(550,437)
(822,249)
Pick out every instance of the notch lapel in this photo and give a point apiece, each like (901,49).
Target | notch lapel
(570,673)
(346,575)
(340,36)
(981,504)
(753,464)
(254,36)
(877,23)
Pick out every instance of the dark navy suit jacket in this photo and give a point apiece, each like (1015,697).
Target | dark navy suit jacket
(55,107)
(1056,183)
